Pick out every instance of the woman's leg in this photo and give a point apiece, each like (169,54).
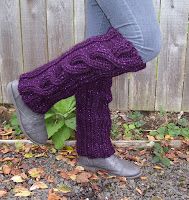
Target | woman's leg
(106,55)
(102,56)
(136,20)
(93,114)
(93,117)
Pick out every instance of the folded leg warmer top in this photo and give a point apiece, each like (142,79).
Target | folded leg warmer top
(106,55)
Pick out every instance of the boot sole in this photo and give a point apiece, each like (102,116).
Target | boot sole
(95,169)
(11,95)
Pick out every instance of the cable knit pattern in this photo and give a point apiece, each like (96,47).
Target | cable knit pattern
(101,56)
(94,120)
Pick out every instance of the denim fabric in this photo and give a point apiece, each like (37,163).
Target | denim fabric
(134,19)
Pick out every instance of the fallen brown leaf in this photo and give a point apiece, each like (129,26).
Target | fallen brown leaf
(170,155)
(17,179)
(142,152)
(102,173)
(63,188)
(168,137)
(122,178)
(79,168)
(74,171)
(53,196)
(64,174)
(59,157)
(132,157)
(182,155)
(72,162)
(15,171)
(5,149)
(23,175)
(36,172)
(38,185)
(50,178)
(28,155)
(83,177)
(41,155)
(73,177)
(156,198)
(95,187)
(157,167)
(94,177)
(139,190)
(27,148)
(69,149)
(70,156)
(6,159)
(6,169)
(150,137)
(3,193)
(21,191)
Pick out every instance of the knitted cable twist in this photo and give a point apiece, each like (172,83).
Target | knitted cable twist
(100,56)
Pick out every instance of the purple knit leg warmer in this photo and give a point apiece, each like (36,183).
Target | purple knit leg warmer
(94,120)
(101,56)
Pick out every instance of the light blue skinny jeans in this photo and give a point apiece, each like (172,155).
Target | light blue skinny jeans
(134,19)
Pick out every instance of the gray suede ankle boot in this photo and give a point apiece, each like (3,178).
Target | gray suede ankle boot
(112,164)
(31,123)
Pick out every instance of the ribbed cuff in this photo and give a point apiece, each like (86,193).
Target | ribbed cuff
(94,119)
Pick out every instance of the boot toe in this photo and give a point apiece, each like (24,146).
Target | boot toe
(31,123)
(130,171)
(126,168)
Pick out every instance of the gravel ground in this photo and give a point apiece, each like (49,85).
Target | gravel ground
(167,183)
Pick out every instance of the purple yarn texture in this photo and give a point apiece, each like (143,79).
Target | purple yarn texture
(97,57)
(93,119)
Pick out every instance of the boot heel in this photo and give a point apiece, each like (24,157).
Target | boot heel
(93,169)
(9,91)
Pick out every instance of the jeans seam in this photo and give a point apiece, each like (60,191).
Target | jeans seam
(136,23)
(100,25)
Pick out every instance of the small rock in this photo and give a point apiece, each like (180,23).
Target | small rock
(156,198)
(176,143)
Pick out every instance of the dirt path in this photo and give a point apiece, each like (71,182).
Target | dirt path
(42,173)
